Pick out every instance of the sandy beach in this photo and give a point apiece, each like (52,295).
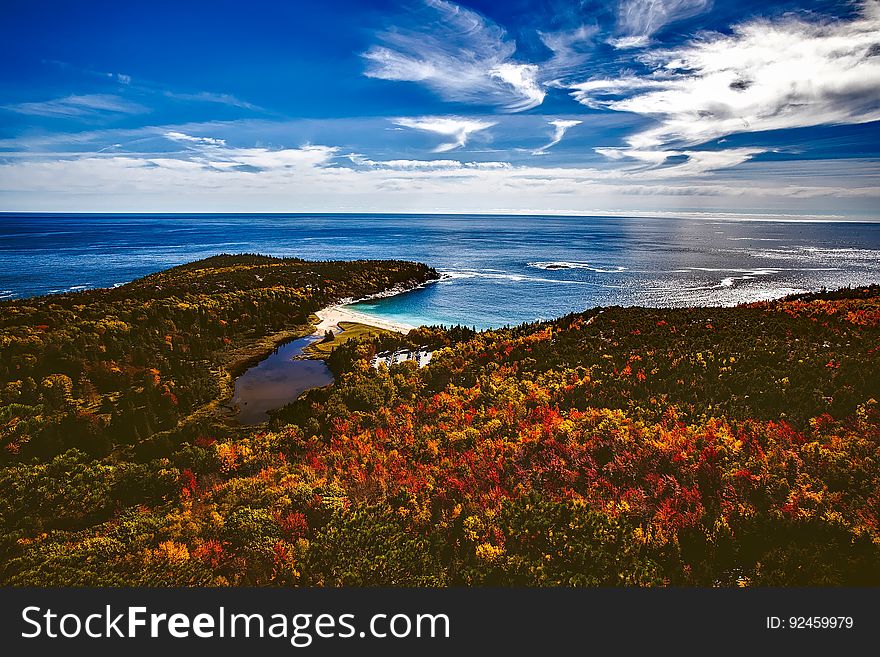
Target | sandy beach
(332,315)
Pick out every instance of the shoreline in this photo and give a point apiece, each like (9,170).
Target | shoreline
(331,316)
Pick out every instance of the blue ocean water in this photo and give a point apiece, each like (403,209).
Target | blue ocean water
(499,269)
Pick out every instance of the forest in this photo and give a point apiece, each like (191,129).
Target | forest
(614,447)
(109,368)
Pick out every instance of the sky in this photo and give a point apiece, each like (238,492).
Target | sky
(737,108)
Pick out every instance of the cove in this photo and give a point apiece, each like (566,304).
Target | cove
(278,380)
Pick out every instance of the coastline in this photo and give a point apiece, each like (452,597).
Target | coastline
(331,316)
(340,312)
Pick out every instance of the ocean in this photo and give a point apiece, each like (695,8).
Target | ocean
(498,270)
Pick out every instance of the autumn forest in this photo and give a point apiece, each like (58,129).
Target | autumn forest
(614,447)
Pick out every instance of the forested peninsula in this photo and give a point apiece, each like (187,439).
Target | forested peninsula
(619,446)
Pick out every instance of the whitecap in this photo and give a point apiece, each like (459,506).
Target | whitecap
(517,278)
(561,264)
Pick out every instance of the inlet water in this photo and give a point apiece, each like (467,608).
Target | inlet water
(278,380)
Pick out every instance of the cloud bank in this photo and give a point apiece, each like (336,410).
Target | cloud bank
(212,175)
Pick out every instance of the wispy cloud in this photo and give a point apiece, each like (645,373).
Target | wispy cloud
(457,128)
(766,75)
(570,48)
(89,105)
(638,20)
(203,141)
(121,78)
(210,97)
(560,126)
(146,87)
(459,54)
(692,162)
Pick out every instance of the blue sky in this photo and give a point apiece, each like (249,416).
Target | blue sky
(682,107)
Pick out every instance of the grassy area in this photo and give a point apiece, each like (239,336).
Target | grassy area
(350,330)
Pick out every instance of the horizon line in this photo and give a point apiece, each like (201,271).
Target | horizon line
(769,217)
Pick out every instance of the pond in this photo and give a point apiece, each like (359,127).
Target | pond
(278,380)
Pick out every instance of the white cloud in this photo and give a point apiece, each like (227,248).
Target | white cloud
(405,165)
(81,106)
(639,19)
(655,157)
(424,165)
(205,141)
(457,128)
(212,154)
(265,159)
(598,93)
(460,55)
(694,163)
(560,127)
(523,78)
(766,75)
(629,42)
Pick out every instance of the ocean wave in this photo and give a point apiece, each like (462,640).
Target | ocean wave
(516,278)
(72,288)
(725,282)
(561,264)
(746,273)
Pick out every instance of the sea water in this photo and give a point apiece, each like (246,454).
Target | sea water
(497,269)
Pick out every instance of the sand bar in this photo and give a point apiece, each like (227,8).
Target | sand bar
(332,315)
